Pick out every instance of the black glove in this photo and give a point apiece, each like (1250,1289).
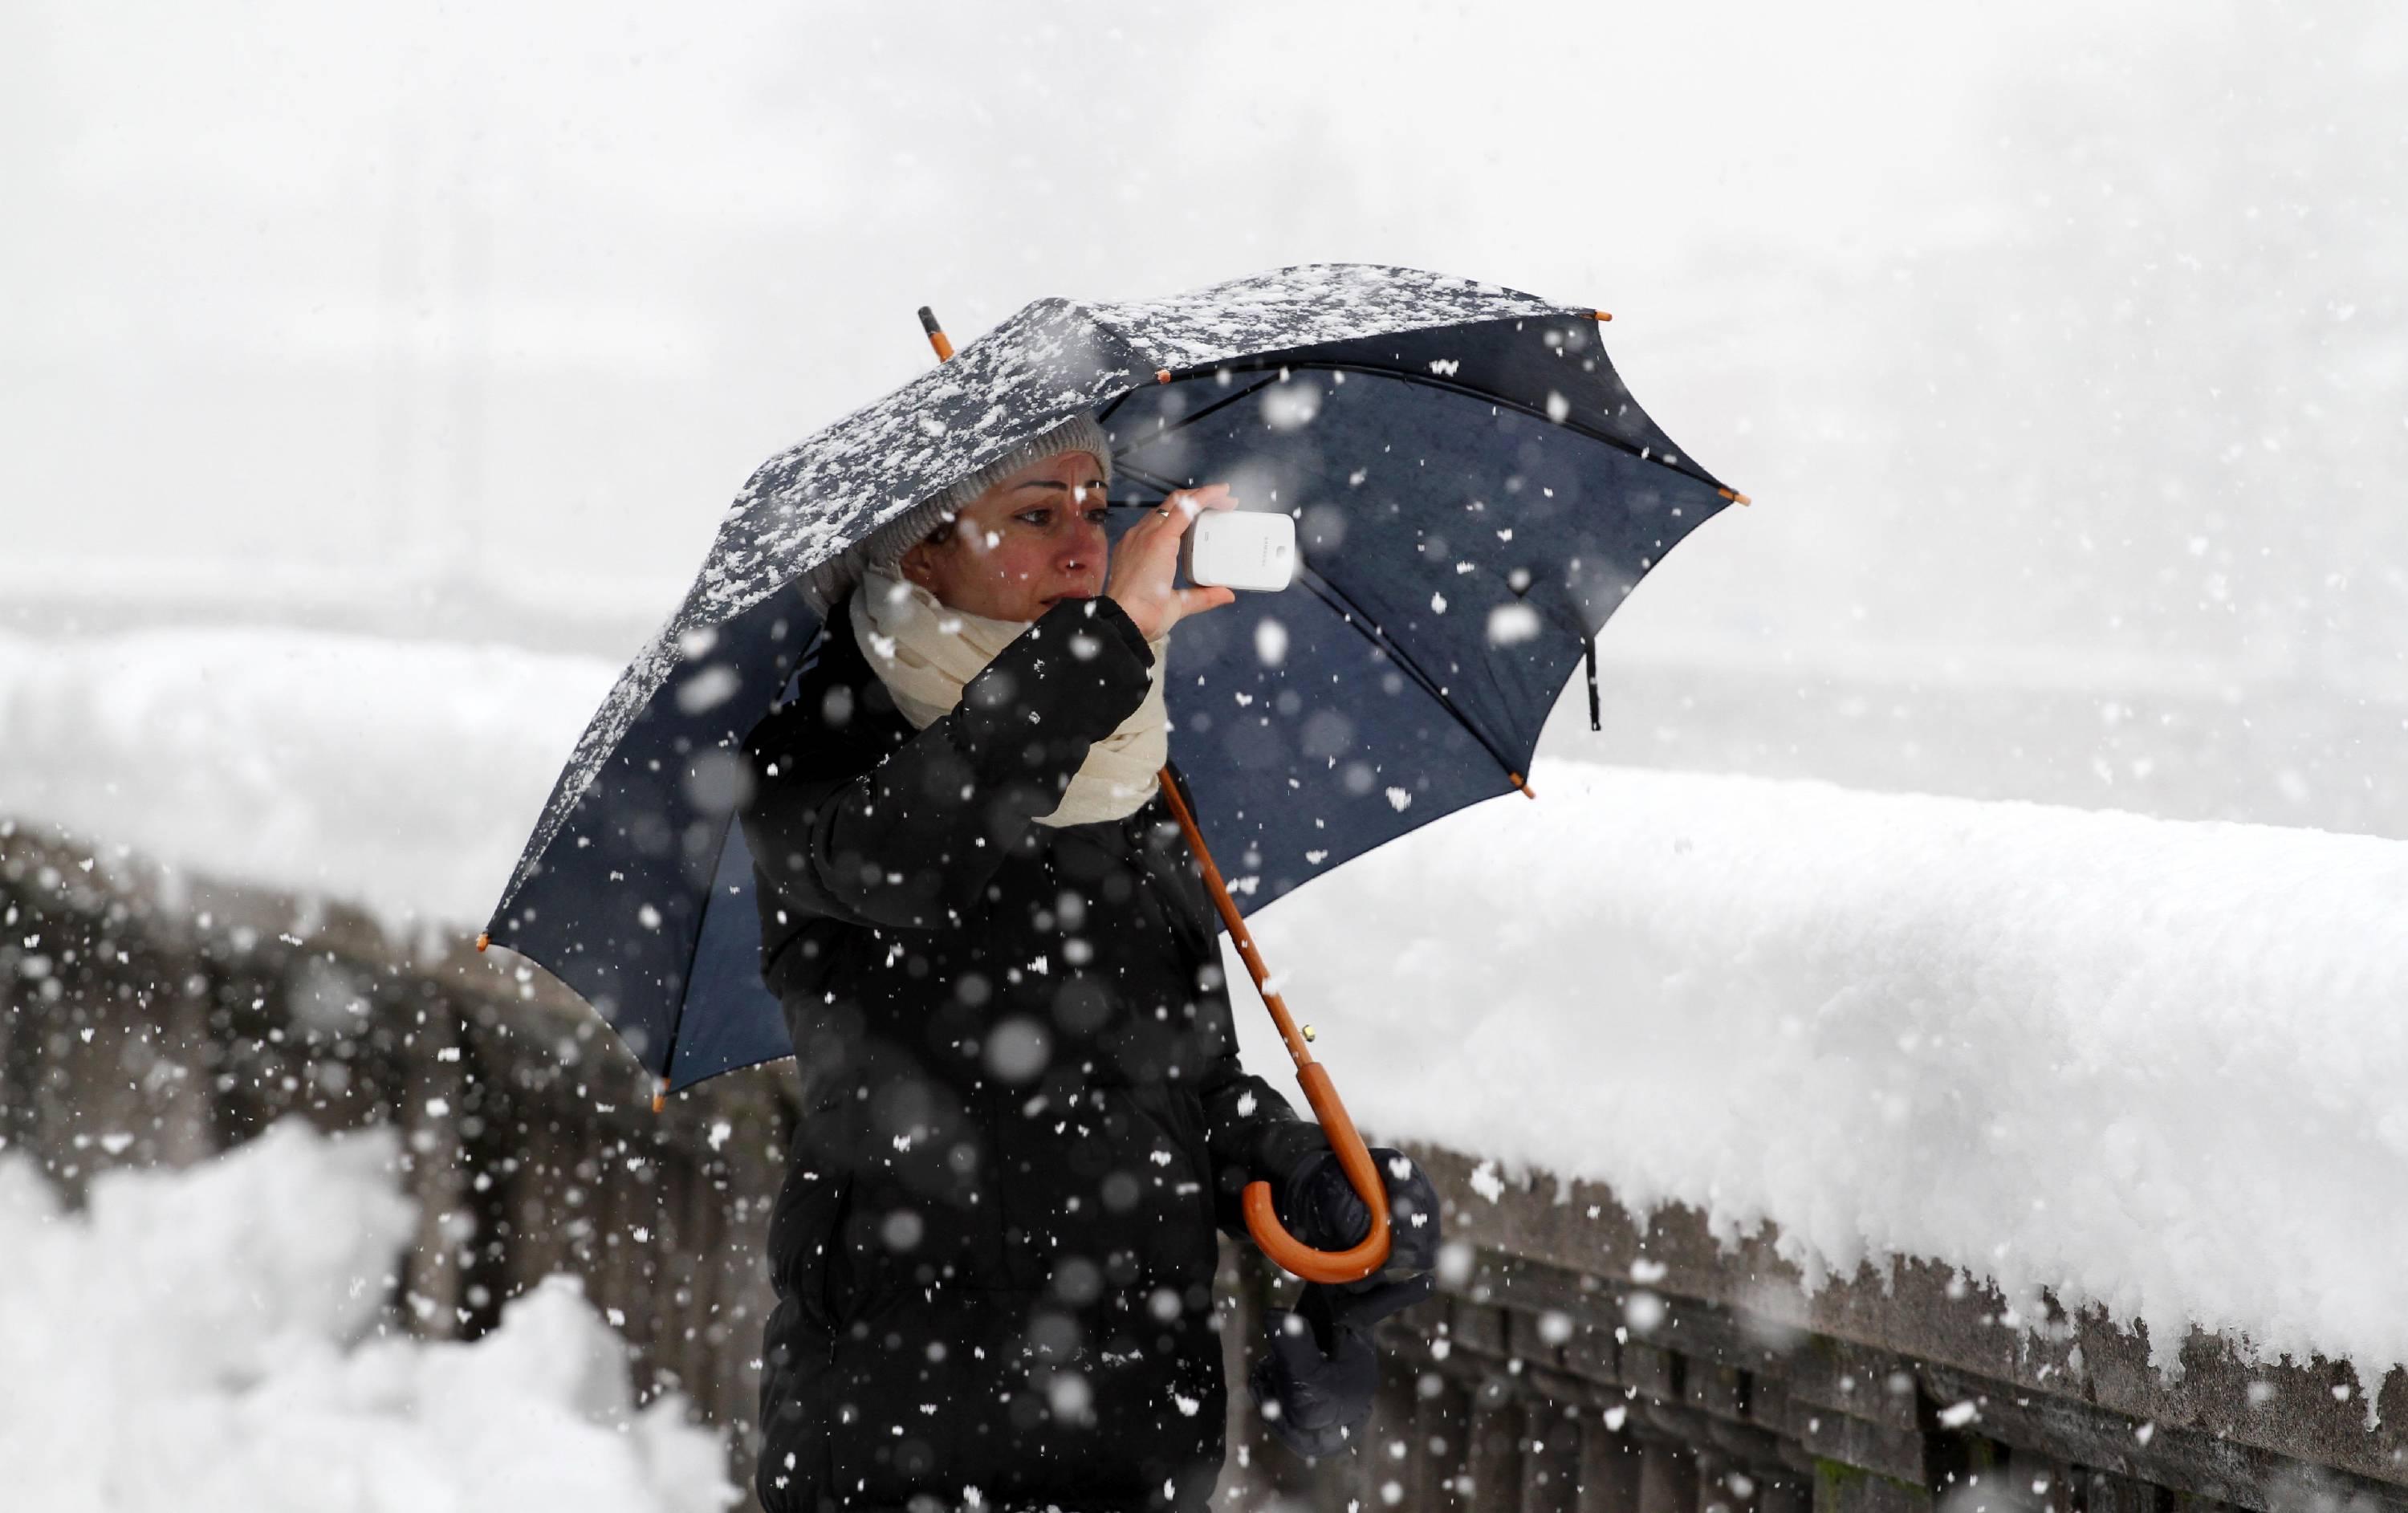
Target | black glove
(1319,1205)
(1314,1380)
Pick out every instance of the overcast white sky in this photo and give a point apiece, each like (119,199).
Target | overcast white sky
(2023,325)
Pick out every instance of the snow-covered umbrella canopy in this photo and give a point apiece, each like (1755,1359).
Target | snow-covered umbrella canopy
(1475,490)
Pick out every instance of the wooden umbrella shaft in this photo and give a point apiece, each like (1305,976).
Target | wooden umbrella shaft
(1297,1046)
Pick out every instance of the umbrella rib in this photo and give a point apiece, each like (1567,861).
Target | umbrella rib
(1187,421)
(676,1020)
(1470,393)
(1282,368)
(1351,613)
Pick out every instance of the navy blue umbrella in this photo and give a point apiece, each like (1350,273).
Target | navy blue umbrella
(1475,490)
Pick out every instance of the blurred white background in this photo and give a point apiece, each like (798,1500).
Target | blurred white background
(2061,347)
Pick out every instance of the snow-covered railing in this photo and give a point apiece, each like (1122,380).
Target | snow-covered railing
(1584,1363)
(2173,1039)
(2153,1066)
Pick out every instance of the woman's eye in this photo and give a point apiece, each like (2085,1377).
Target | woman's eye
(1035,517)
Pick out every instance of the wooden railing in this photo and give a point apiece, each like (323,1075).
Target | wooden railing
(1573,1360)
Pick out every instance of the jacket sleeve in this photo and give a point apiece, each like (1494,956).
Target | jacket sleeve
(913,842)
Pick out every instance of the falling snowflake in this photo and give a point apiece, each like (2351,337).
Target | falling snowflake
(1290,406)
(1509,623)
(708,689)
(1642,1312)
(1484,1179)
(1270,642)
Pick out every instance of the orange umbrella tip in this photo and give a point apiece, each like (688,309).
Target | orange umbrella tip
(1735,497)
(1162,375)
(661,1096)
(484,938)
(1527,791)
(1603,315)
(935,334)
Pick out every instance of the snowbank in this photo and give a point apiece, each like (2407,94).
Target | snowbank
(2152,1065)
(210,1340)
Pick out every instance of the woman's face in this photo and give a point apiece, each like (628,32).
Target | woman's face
(1033,540)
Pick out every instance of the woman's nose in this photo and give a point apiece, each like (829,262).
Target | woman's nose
(1084,543)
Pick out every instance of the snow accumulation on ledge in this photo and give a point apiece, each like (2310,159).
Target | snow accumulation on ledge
(2151,1065)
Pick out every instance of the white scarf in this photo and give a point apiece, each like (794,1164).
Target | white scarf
(925,652)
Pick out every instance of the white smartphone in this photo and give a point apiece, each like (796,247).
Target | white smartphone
(1240,548)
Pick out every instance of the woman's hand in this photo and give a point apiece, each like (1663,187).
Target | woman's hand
(1319,1205)
(1146,559)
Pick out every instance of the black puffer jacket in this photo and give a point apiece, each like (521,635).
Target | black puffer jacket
(1024,1114)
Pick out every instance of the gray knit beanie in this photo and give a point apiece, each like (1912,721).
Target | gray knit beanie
(826,585)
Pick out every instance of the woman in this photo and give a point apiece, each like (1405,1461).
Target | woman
(1024,1113)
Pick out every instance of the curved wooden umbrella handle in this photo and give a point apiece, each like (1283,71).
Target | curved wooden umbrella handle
(1262,1219)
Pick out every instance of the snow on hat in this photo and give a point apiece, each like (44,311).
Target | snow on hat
(827,584)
